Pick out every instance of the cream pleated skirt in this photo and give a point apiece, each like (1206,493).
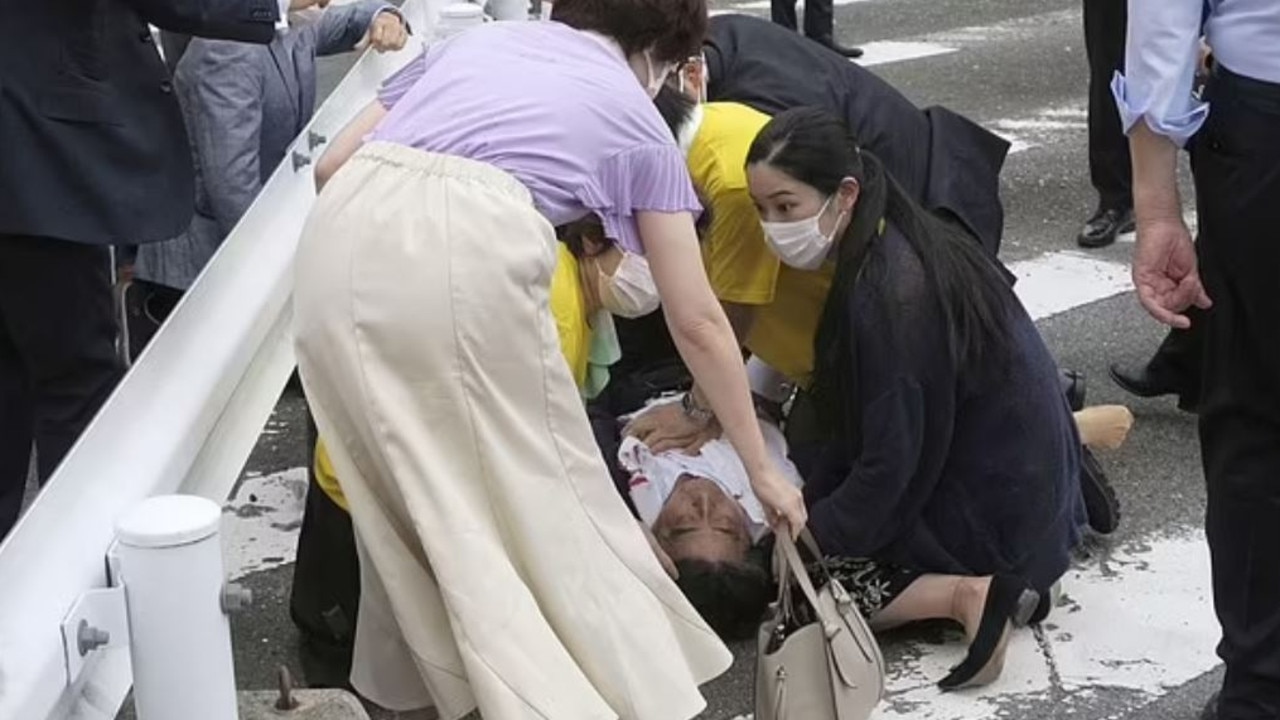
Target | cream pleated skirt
(499,566)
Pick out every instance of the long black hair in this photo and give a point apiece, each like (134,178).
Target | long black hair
(815,148)
(675,107)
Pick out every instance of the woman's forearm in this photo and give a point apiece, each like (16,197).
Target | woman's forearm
(740,318)
(701,331)
(713,358)
(347,142)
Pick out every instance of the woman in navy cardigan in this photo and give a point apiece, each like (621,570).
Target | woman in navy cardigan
(948,483)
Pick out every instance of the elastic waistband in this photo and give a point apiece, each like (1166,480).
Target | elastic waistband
(444,166)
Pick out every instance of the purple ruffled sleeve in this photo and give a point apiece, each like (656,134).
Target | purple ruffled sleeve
(402,80)
(649,177)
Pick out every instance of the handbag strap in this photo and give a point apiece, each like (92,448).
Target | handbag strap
(806,537)
(792,564)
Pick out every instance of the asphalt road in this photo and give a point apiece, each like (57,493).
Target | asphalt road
(1133,634)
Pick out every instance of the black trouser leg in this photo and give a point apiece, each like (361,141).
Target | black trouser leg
(1110,169)
(820,21)
(1179,358)
(55,308)
(783,13)
(325,598)
(1237,170)
(16,428)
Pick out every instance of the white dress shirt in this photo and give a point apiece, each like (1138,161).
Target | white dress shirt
(654,477)
(1163,51)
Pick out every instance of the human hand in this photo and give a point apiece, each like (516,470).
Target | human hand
(387,32)
(783,503)
(1104,426)
(1165,272)
(668,427)
(1205,63)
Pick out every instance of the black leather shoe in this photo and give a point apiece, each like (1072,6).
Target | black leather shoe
(1073,386)
(1146,384)
(1210,711)
(1101,229)
(1142,383)
(1101,504)
(845,50)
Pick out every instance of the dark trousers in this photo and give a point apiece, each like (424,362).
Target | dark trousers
(819,18)
(1179,359)
(325,598)
(1110,169)
(1236,162)
(57,354)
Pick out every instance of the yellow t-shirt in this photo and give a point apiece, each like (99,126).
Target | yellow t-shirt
(741,267)
(569,309)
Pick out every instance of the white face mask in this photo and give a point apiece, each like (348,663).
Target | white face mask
(801,243)
(655,80)
(629,292)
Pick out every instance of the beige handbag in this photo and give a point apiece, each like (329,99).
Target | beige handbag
(827,668)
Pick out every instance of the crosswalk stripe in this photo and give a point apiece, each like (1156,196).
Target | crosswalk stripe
(1057,282)
(1140,622)
(884,52)
(1044,127)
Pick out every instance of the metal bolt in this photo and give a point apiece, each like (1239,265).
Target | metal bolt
(315,139)
(286,701)
(300,161)
(90,638)
(235,598)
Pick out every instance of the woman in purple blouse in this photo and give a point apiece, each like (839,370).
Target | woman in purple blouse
(500,568)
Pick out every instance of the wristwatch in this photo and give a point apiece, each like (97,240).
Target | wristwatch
(694,411)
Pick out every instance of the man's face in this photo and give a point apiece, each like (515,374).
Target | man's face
(701,522)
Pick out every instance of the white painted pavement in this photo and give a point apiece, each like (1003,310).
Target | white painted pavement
(1139,620)
(1060,281)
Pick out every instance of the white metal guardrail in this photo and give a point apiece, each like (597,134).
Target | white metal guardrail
(184,420)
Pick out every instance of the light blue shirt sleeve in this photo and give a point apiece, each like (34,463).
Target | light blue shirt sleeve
(1160,65)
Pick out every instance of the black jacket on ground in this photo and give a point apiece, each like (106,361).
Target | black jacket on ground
(943,160)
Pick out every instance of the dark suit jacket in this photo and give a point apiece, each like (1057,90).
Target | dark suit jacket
(244,104)
(92,144)
(942,159)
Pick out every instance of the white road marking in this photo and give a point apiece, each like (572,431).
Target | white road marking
(1043,128)
(1056,282)
(765,4)
(260,522)
(883,52)
(1139,620)
(1010,29)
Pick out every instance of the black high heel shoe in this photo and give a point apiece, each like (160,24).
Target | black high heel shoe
(1010,603)
(1044,607)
